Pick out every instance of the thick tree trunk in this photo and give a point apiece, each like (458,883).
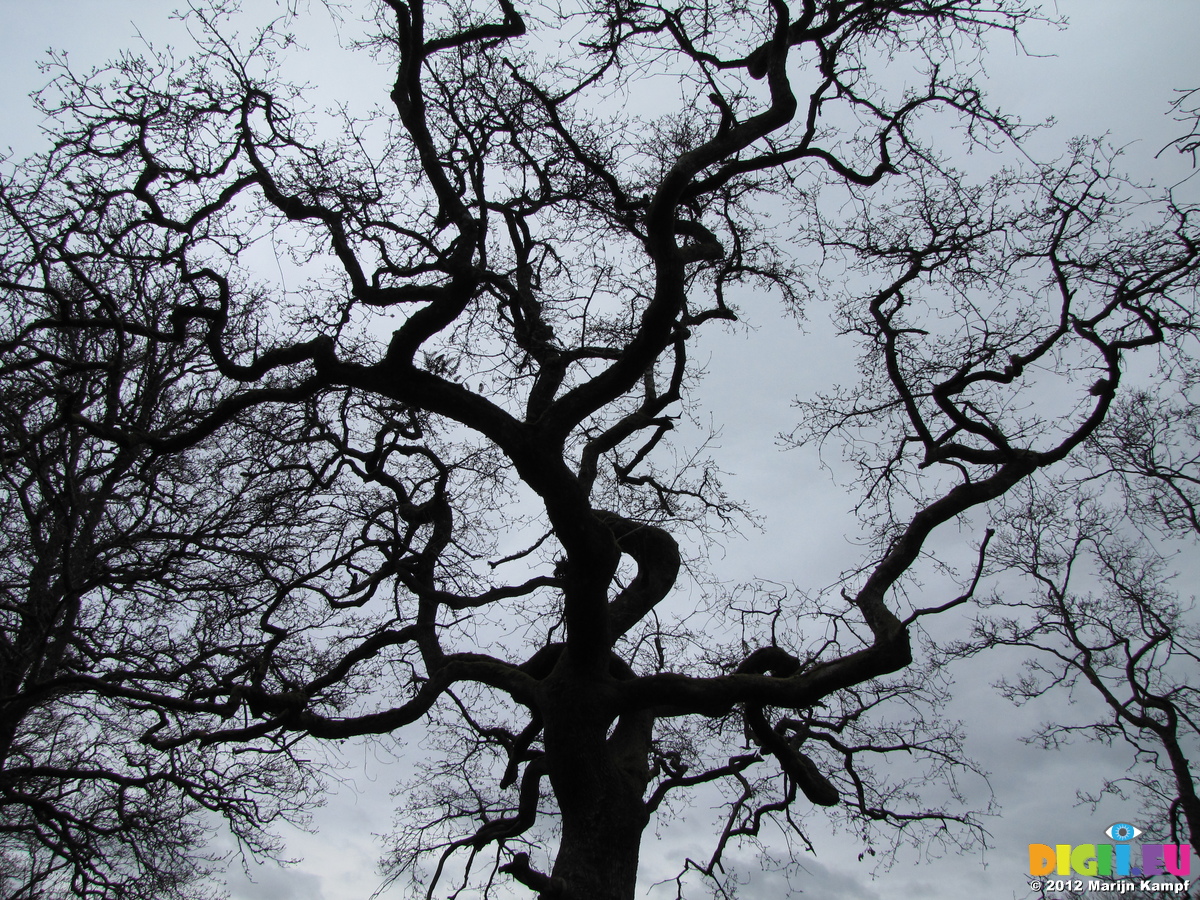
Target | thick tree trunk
(598,780)
(598,855)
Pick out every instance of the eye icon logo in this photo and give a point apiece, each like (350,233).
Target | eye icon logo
(1122,831)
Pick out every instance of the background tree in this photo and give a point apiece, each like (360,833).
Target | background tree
(1098,615)
(506,270)
(120,568)
(1098,605)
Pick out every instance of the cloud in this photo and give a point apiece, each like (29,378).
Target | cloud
(818,880)
(273,882)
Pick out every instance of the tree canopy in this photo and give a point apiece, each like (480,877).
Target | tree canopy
(437,479)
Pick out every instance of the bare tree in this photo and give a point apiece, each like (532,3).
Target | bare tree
(506,270)
(118,566)
(1099,613)
(1099,608)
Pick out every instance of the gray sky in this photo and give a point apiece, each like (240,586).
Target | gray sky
(1113,71)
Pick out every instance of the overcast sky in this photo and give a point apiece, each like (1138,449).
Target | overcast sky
(1114,70)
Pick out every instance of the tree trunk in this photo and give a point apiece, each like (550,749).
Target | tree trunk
(598,780)
(598,854)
